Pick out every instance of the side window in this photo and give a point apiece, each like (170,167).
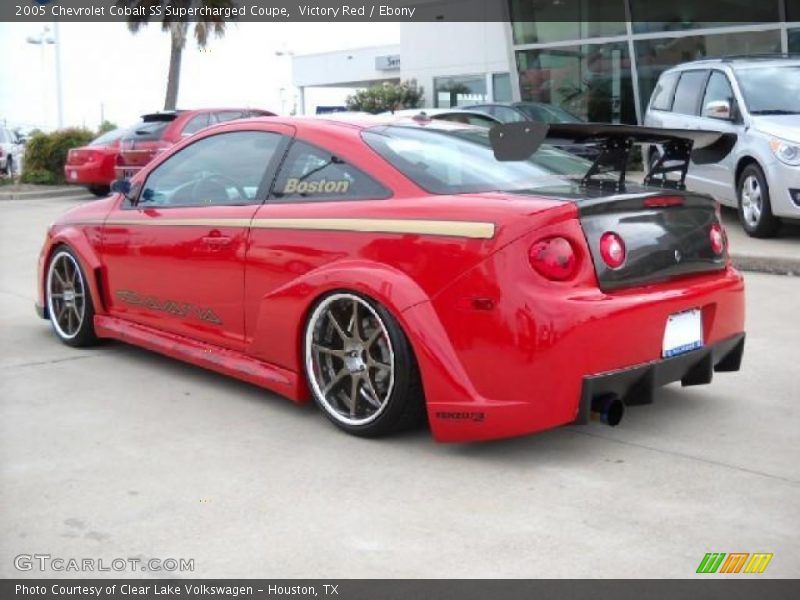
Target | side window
(719,89)
(310,173)
(229,115)
(196,124)
(662,95)
(687,94)
(220,170)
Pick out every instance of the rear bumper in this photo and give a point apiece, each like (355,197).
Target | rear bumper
(88,174)
(636,385)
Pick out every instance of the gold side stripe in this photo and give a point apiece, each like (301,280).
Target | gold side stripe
(465,229)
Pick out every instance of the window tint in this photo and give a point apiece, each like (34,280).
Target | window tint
(718,88)
(196,124)
(224,169)
(147,130)
(687,94)
(662,95)
(311,173)
(461,161)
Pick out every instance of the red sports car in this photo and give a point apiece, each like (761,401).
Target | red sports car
(392,269)
(93,165)
(158,131)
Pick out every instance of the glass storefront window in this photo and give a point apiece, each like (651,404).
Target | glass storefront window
(501,87)
(794,41)
(543,21)
(655,56)
(459,91)
(680,15)
(592,81)
(793,10)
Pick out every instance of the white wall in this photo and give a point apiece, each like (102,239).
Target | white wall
(341,66)
(437,49)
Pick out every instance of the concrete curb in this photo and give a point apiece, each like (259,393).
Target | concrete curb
(56,192)
(767,264)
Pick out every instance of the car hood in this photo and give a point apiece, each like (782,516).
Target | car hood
(786,127)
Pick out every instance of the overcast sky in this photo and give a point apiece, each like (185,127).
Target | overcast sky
(104,64)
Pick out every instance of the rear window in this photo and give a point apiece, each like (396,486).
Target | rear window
(461,161)
(151,127)
(662,95)
(687,95)
(108,138)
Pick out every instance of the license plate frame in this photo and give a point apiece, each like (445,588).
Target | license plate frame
(683,332)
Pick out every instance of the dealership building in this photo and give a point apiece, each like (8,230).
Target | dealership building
(599,59)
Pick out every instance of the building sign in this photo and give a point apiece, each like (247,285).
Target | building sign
(388,62)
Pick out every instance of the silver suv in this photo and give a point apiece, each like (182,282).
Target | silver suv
(759,100)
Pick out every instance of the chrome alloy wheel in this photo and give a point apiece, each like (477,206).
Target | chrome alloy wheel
(349,359)
(66,295)
(752,200)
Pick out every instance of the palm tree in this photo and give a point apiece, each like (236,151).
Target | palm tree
(178,30)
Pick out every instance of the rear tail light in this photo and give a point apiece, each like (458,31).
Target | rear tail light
(717,236)
(663,201)
(612,249)
(554,258)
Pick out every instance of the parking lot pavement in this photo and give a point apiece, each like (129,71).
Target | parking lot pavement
(116,452)
(782,249)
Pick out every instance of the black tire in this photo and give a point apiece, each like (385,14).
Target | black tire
(403,406)
(755,208)
(71,315)
(100,190)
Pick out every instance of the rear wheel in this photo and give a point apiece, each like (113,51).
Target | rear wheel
(69,302)
(100,190)
(755,209)
(360,366)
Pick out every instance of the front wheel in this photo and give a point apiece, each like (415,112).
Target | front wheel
(69,302)
(360,366)
(755,209)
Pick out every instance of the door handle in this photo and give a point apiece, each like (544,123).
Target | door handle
(216,240)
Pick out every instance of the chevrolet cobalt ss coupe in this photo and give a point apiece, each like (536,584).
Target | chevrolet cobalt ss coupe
(394,269)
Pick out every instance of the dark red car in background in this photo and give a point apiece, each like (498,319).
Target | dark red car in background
(93,165)
(158,131)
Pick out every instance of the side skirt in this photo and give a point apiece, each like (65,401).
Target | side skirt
(222,360)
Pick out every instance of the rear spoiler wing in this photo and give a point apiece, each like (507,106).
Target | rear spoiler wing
(518,141)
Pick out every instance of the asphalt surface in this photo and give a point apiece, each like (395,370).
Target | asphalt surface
(114,452)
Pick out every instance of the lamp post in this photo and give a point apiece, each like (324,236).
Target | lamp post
(288,54)
(44,39)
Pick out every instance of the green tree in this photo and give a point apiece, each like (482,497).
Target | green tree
(179,31)
(386,97)
(105,127)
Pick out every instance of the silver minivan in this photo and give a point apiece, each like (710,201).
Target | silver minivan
(759,100)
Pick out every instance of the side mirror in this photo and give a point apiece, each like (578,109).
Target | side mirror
(718,109)
(121,186)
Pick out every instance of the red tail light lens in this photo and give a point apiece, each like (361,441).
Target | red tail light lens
(663,201)
(717,237)
(612,249)
(554,258)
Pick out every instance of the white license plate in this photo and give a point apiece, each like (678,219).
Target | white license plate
(683,333)
(73,174)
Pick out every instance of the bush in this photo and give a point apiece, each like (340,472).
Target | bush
(387,96)
(45,154)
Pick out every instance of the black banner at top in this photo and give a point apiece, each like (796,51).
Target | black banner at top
(675,14)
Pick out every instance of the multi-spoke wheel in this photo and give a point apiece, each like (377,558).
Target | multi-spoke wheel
(360,367)
(755,210)
(69,303)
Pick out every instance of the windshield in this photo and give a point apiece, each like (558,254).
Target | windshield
(771,90)
(460,161)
